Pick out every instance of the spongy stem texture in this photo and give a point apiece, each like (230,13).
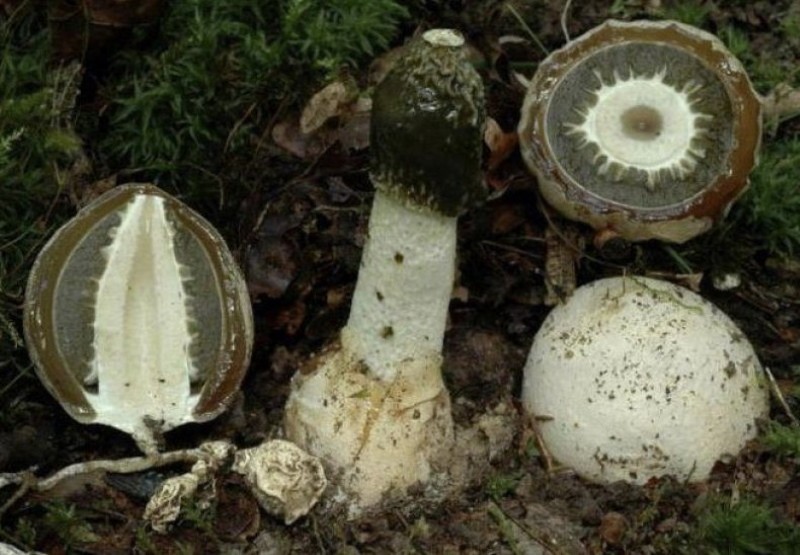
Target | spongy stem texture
(399,308)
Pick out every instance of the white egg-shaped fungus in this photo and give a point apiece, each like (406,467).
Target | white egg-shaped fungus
(634,378)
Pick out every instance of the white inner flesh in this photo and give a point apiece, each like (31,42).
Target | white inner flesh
(399,308)
(142,363)
(670,149)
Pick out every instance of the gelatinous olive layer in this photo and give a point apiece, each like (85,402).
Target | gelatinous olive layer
(137,316)
(667,89)
(647,129)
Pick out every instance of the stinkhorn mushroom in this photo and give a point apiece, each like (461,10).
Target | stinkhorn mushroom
(137,316)
(648,129)
(634,378)
(374,405)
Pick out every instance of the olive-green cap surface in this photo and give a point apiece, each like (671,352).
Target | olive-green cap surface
(427,127)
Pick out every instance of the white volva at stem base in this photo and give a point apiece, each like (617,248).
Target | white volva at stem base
(374,407)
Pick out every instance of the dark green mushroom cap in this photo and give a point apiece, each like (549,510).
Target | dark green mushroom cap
(427,127)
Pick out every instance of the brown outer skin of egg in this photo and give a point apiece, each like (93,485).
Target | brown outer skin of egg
(40,295)
(709,204)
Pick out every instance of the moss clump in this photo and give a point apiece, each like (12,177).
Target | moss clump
(744,528)
(39,154)
(206,90)
(187,104)
(771,207)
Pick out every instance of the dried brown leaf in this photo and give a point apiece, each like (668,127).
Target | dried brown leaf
(500,143)
(288,136)
(563,249)
(332,101)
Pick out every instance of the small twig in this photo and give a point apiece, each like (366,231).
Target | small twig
(679,261)
(236,126)
(26,479)
(782,103)
(564,16)
(502,520)
(121,466)
(527,29)
(549,463)
(781,399)
(505,520)
(546,212)
(318,536)
(510,248)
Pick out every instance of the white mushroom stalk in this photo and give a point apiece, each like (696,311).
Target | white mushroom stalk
(634,378)
(374,406)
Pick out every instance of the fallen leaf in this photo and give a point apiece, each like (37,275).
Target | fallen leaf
(353,134)
(612,527)
(288,136)
(330,102)
(563,249)
(314,133)
(506,217)
(500,143)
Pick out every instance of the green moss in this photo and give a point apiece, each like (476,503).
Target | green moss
(503,484)
(69,524)
(765,219)
(39,154)
(771,207)
(782,440)
(744,528)
(790,27)
(690,12)
(736,41)
(201,96)
(765,71)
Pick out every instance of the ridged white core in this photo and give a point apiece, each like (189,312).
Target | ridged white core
(141,365)
(399,308)
(642,123)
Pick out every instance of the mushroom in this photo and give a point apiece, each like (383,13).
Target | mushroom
(646,128)
(373,405)
(634,378)
(286,481)
(137,317)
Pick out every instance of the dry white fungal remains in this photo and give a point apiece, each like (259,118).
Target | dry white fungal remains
(165,505)
(137,316)
(8,549)
(634,378)
(374,406)
(648,129)
(286,481)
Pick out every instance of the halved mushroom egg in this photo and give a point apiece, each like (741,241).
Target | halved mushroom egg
(648,129)
(137,316)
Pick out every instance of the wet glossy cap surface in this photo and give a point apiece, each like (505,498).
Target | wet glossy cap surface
(136,315)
